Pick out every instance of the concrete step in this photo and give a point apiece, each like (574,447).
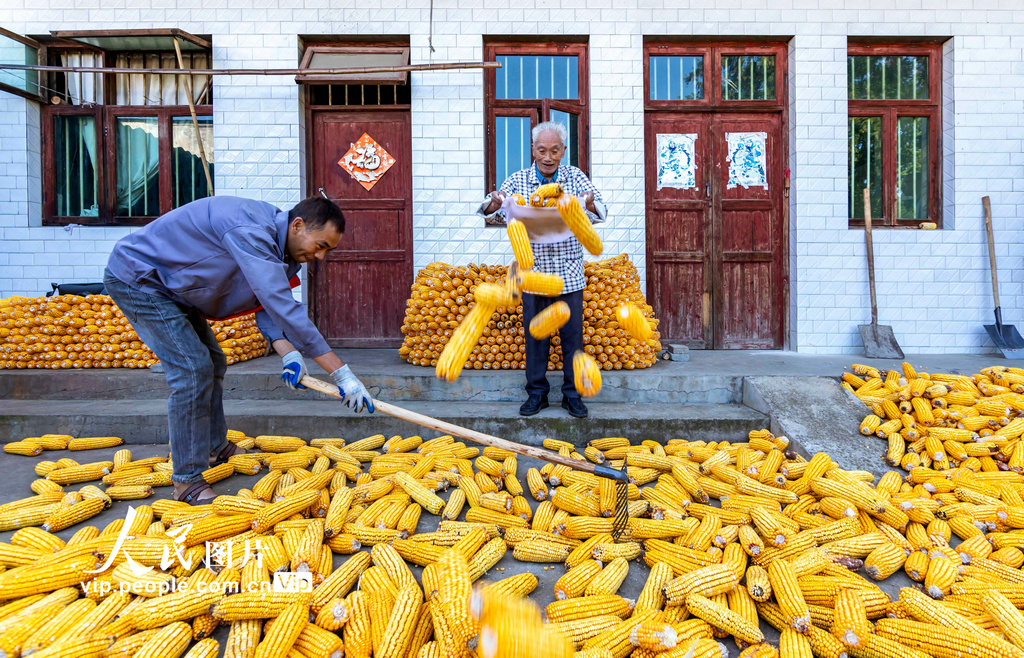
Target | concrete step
(818,415)
(145,421)
(666,382)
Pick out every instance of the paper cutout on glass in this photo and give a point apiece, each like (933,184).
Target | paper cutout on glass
(677,166)
(747,160)
(366,161)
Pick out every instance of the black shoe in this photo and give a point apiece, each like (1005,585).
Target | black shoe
(533,405)
(575,407)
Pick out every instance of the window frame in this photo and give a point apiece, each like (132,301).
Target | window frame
(495,107)
(890,112)
(40,49)
(105,116)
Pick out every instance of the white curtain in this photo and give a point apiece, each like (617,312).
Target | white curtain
(83,87)
(138,162)
(159,88)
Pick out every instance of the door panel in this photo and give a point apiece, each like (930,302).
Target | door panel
(358,293)
(678,260)
(748,303)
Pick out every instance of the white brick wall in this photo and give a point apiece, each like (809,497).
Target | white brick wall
(933,286)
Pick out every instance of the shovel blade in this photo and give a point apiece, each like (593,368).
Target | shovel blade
(1007,339)
(879,342)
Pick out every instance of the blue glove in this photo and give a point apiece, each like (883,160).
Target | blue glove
(352,391)
(294,369)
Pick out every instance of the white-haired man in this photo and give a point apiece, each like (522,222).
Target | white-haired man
(562,258)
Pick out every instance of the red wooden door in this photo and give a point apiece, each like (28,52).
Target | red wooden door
(748,300)
(679,276)
(716,238)
(358,293)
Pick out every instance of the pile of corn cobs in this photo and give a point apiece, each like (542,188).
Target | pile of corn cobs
(732,533)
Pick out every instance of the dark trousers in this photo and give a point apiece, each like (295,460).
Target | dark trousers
(570,335)
(194,366)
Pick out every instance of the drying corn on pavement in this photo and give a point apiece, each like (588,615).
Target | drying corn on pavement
(727,542)
(934,422)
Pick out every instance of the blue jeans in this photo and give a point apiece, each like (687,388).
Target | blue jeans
(194,366)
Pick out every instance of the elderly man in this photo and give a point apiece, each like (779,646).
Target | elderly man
(221,257)
(562,258)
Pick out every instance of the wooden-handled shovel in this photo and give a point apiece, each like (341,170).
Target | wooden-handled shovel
(621,477)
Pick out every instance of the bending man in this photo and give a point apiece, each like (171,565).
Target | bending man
(217,258)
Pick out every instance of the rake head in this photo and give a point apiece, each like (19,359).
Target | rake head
(621,522)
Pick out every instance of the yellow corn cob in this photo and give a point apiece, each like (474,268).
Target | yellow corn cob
(26,448)
(93,443)
(65,517)
(520,244)
(453,356)
(549,321)
(283,633)
(257,605)
(587,373)
(574,216)
(722,617)
(541,283)
(758,584)
(787,593)
(851,625)
(171,640)
(943,642)
(242,639)
(942,573)
(546,191)
(538,489)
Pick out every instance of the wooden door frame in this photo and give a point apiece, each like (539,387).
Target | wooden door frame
(712,104)
(314,269)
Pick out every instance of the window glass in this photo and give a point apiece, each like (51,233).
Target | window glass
(865,165)
(188,180)
(15,52)
(138,167)
(74,147)
(537,76)
(887,77)
(677,78)
(912,168)
(512,145)
(571,122)
(748,77)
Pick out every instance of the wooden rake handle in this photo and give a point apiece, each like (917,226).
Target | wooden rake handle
(471,435)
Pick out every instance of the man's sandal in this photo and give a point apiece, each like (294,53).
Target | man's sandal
(191,495)
(229,451)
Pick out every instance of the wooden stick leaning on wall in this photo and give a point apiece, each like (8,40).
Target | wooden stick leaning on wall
(195,120)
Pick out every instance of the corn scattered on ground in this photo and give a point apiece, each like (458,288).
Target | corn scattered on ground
(442,296)
(69,331)
(727,535)
(934,422)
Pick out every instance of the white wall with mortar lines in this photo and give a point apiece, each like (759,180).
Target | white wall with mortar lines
(933,285)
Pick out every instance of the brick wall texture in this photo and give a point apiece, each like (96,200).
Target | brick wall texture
(933,285)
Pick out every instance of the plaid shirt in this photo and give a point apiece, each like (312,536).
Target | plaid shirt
(562,258)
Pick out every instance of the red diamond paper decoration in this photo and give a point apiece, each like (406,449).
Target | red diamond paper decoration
(366,161)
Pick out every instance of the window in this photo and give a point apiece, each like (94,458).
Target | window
(894,127)
(536,82)
(122,147)
(681,74)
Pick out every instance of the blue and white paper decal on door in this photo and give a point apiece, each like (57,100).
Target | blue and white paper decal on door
(677,166)
(747,160)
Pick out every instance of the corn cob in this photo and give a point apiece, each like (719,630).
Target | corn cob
(572,213)
(587,374)
(93,443)
(520,244)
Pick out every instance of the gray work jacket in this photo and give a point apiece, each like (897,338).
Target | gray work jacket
(222,256)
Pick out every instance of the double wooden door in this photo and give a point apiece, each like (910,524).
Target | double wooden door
(714,180)
(358,293)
